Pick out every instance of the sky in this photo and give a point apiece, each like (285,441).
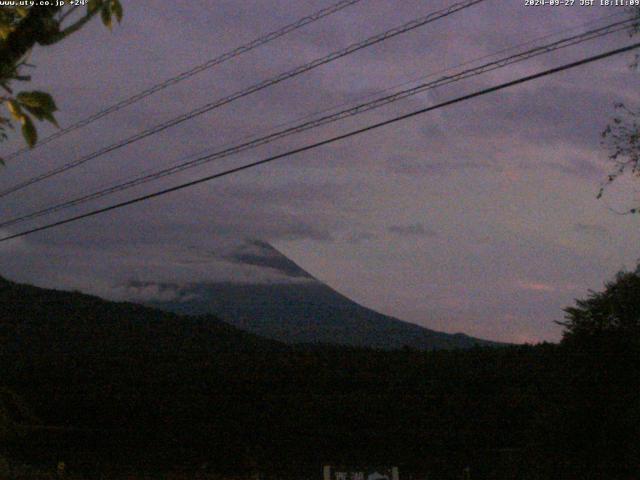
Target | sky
(479,218)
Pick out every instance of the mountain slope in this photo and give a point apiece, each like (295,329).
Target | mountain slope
(37,320)
(302,310)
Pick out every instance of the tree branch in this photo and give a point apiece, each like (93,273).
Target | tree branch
(74,26)
(32,29)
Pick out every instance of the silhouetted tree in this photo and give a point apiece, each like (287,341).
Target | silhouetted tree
(611,315)
(21,29)
(598,425)
(622,135)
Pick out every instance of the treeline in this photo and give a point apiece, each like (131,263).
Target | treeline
(242,404)
(544,411)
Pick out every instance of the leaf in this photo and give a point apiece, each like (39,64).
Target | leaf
(42,115)
(39,100)
(5,31)
(93,5)
(39,104)
(22,11)
(15,109)
(116,8)
(29,131)
(48,31)
(51,119)
(105,13)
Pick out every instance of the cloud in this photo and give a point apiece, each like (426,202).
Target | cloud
(414,229)
(147,271)
(360,237)
(427,166)
(536,286)
(262,254)
(144,292)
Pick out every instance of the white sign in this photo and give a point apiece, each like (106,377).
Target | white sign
(331,472)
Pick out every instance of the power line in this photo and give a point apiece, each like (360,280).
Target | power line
(433,74)
(406,27)
(258,42)
(328,141)
(356,110)
(336,106)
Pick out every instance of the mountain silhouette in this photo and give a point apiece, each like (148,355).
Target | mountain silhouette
(42,321)
(299,309)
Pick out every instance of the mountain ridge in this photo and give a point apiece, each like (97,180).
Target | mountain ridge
(38,320)
(302,311)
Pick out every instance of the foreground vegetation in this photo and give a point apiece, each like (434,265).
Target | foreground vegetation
(545,411)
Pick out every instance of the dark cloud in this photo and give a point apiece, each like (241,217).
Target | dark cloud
(262,254)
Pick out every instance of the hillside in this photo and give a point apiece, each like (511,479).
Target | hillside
(117,389)
(37,320)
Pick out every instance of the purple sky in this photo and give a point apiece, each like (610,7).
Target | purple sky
(480,217)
